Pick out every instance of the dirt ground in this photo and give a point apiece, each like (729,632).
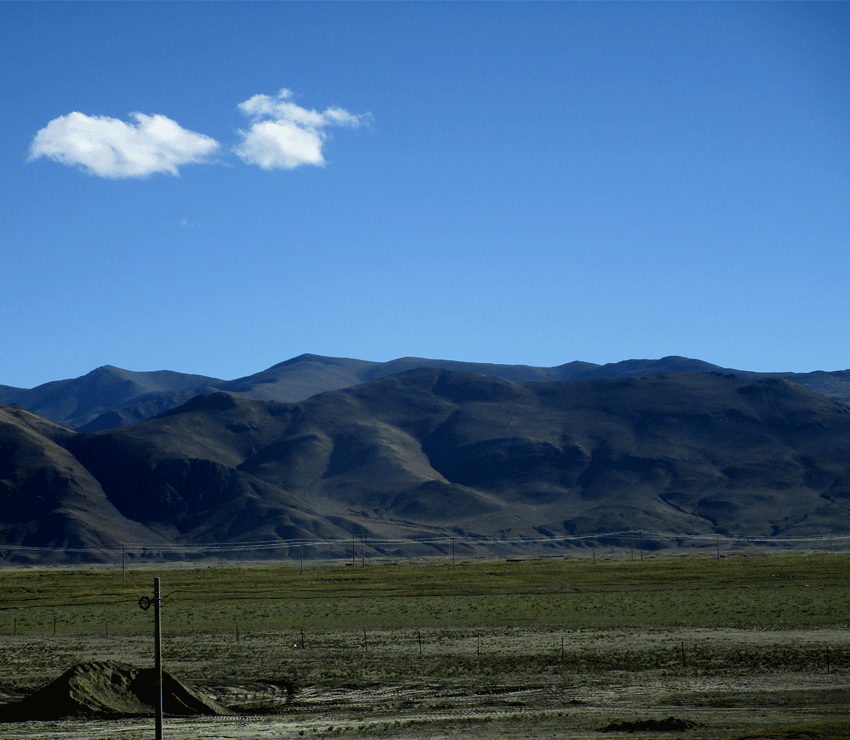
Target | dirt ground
(444,683)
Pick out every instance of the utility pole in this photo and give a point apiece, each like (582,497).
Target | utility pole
(157,607)
(145,603)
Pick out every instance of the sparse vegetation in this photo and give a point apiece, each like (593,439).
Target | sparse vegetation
(517,649)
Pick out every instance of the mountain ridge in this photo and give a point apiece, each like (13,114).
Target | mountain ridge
(109,397)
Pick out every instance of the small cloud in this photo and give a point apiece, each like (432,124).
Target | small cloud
(281,144)
(181,223)
(109,147)
(285,135)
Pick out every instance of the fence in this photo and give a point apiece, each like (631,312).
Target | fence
(360,550)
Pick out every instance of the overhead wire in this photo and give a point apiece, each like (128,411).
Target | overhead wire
(152,549)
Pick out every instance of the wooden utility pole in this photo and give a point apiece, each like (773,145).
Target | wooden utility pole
(144,603)
(157,631)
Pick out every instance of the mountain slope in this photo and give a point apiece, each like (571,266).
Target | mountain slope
(47,498)
(433,452)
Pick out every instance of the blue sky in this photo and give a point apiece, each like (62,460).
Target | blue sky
(215,188)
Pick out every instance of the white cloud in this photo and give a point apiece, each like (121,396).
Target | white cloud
(285,135)
(281,144)
(111,148)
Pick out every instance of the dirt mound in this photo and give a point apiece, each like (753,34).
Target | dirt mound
(108,690)
(822,731)
(651,725)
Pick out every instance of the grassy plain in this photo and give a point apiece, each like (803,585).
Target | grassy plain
(524,649)
(772,591)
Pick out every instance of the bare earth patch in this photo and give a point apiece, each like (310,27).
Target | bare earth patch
(477,683)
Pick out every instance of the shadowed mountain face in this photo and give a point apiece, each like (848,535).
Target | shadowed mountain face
(434,452)
(48,498)
(109,397)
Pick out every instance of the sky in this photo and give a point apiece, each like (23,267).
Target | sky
(214,188)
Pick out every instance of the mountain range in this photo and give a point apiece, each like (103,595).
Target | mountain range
(412,450)
(110,397)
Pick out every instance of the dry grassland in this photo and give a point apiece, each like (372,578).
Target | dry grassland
(682,647)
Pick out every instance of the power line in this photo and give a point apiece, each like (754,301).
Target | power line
(433,541)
